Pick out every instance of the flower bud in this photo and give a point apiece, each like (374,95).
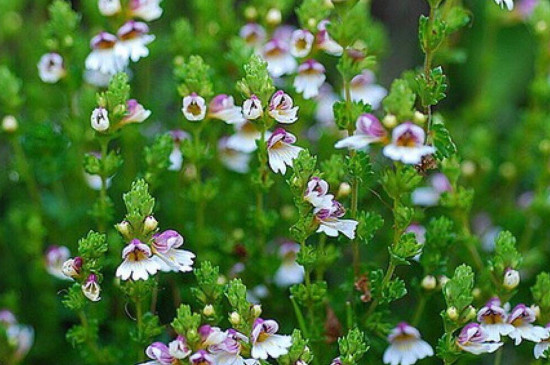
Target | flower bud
(344,190)
(476,293)
(452,313)
(468,168)
(536,309)
(150,224)
(100,119)
(71,268)
(256,310)
(250,13)
(208,310)
(429,282)
(544,146)
(124,228)
(541,26)
(470,313)
(287,211)
(419,118)
(312,23)
(511,279)
(9,124)
(221,280)
(389,121)
(507,170)
(273,16)
(234,318)
(443,280)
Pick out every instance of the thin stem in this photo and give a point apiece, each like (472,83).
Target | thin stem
(139,318)
(498,357)
(320,269)
(419,310)
(428,66)
(262,171)
(89,342)
(25,170)
(104,145)
(385,281)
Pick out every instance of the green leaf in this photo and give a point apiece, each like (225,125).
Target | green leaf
(441,139)
(506,254)
(439,240)
(431,88)
(458,290)
(194,77)
(256,80)
(400,100)
(352,347)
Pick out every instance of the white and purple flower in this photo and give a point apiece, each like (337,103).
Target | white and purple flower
(266,342)
(317,193)
(167,355)
(368,130)
(282,109)
(165,247)
(72,267)
(407,144)
(406,346)
(310,78)
(194,107)
(223,107)
(55,258)
(252,108)
(428,196)
(331,224)
(522,318)
(281,151)
(325,42)
(279,60)
(473,339)
(228,352)
(202,357)
(244,140)
(138,262)
(509,4)
(51,68)
(301,43)
(290,272)
(147,10)
(363,88)
(136,113)
(103,57)
(91,288)
(133,40)
(542,346)
(253,34)
(100,119)
(492,318)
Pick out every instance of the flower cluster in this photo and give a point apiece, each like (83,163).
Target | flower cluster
(218,347)
(19,337)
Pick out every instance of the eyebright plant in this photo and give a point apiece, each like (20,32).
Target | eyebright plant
(294,182)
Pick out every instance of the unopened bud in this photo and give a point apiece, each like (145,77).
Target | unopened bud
(208,310)
(234,318)
(312,23)
(250,13)
(468,168)
(238,234)
(287,211)
(150,224)
(222,280)
(389,121)
(507,170)
(511,279)
(429,282)
(256,310)
(9,124)
(419,118)
(452,313)
(344,190)
(124,228)
(476,293)
(273,16)
(443,280)
(541,26)
(100,119)
(470,313)
(544,146)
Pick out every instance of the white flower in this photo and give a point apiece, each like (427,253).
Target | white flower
(253,34)
(282,109)
(252,108)
(522,318)
(509,3)
(55,258)
(244,140)
(176,157)
(279,60)
(368,129)
(266,342)
(310,78)
(407,144)
(178,348)
(138,262)
(22,338)
(147,10)
(330,222)
(290,272)
(492,319)
(301,43)
(228,352)
(473,339)
(281,151)
(103,57)
(223,107)
(317,193)
(91,288)
(71,267)
(165,247)
(100,119)
(136,113)
(406,346)
(325,42)
(324,112)
(109,7)
(167,355)
(194,107)
(233,159)
(50,68)
(133,40)
(97,78)
(363,88)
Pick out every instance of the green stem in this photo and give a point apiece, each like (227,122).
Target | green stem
(104,145)
(320,269)
(262,171)
(24,168)
(498,357)
(385,281)
(92,345)
(419,310)
(300,317)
